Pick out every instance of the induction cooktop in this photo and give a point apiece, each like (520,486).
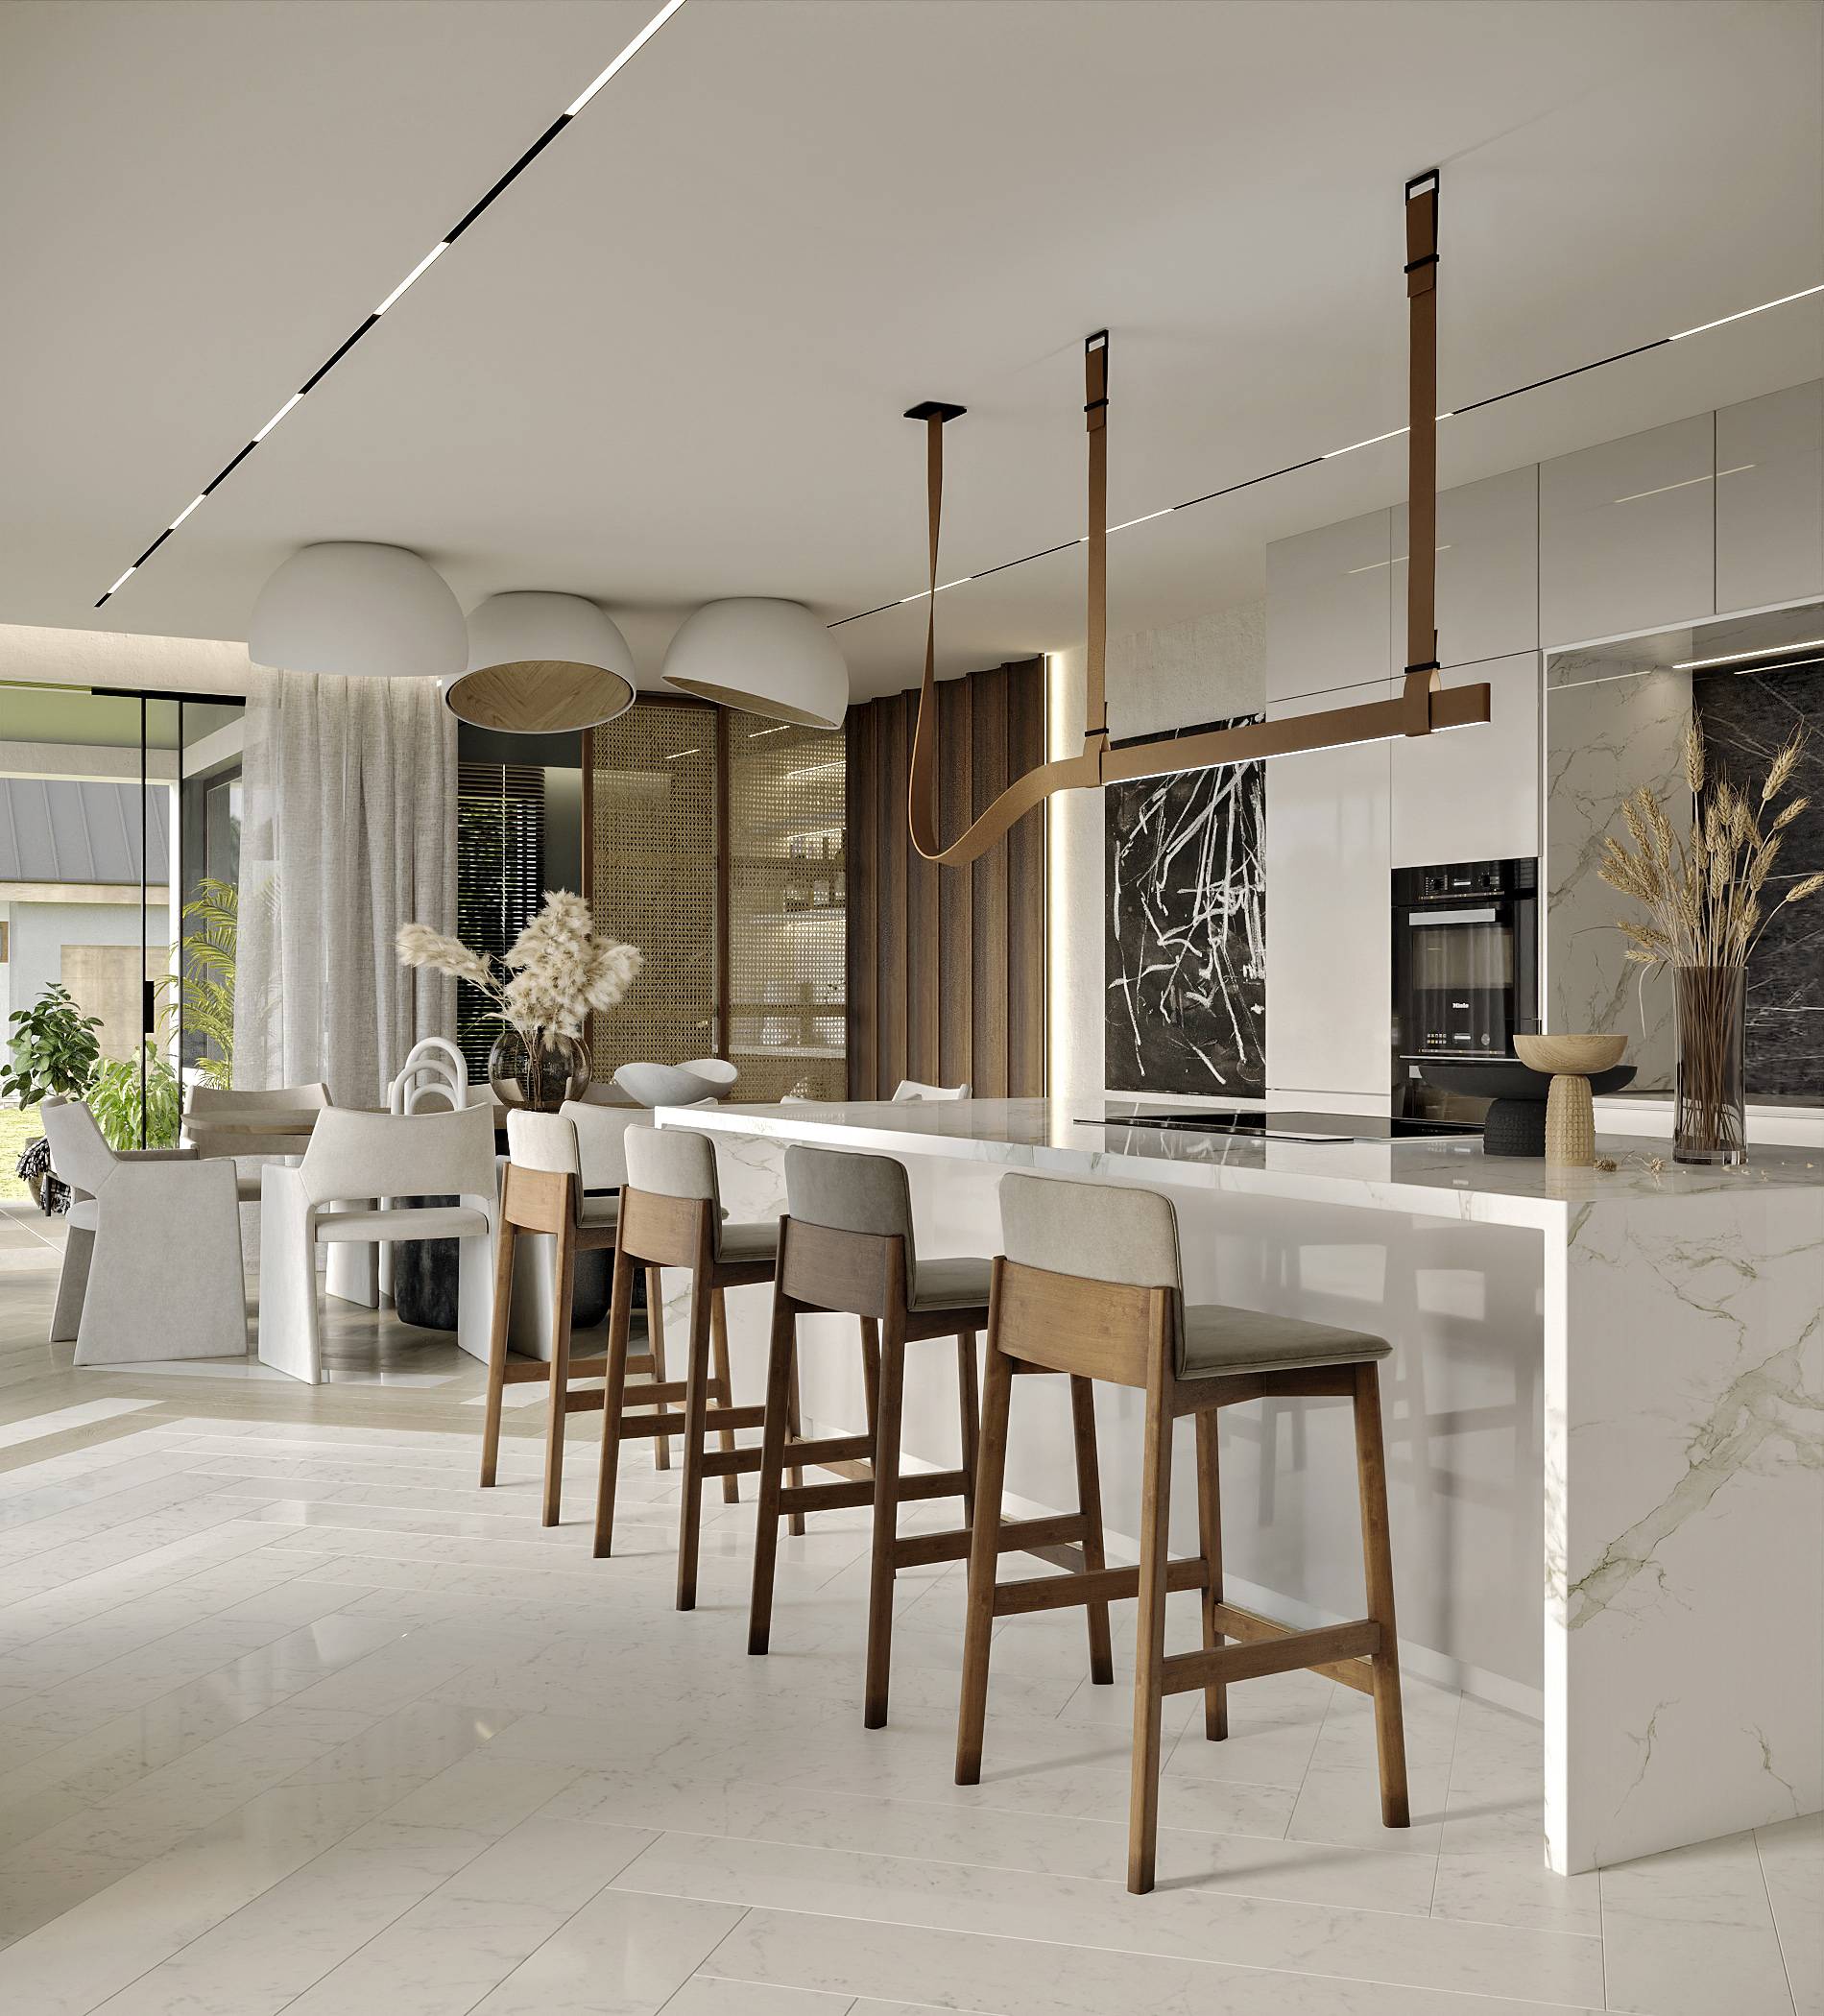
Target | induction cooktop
(1315,1128)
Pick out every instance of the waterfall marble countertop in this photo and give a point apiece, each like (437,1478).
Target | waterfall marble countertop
(1445,1177)
(1677,1315)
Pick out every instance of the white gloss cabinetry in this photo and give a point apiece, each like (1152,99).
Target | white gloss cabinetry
(1770,499)
(1627,533)
(1329,938)
(1487,572)
(1472,794)
(1328,595)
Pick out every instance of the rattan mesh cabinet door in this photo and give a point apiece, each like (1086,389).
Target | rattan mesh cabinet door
(651,825)
(787,909)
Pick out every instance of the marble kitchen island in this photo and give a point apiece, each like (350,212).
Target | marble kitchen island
(1604,1417)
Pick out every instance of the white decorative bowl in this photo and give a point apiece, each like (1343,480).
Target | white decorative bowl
(704,1078)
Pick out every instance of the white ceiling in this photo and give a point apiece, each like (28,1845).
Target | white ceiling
(669,363)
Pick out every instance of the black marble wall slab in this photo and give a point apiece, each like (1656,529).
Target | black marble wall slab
(1748,718)
(1187,933)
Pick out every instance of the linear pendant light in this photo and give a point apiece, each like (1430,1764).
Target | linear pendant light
(1423,703)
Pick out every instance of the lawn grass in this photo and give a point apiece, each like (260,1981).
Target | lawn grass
(19,1125)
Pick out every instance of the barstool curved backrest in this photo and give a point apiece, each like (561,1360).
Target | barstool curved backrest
(586,1141)
(849,1192)
(676,1161)
(1094,1232)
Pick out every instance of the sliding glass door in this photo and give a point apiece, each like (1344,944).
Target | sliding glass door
(119,820)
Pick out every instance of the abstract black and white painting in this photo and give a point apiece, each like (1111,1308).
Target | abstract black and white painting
(1187,931)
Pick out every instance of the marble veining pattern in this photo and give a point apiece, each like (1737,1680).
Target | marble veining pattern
(1185,955)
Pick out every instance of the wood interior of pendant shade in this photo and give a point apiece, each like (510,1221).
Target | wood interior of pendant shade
(539,697)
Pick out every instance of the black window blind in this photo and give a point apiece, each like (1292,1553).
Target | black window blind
(500,880)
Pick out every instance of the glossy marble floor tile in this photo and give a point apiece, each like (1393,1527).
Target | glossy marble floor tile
(296,1719)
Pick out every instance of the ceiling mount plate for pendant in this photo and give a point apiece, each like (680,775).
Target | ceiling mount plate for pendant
(934,409)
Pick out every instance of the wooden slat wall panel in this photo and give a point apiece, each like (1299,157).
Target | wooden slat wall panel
(947,966)
(922,1050)
(1027,893)
(894,846)
(955,942)
(988,1005)
(863,897)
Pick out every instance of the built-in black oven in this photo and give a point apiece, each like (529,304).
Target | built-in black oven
(1465,959)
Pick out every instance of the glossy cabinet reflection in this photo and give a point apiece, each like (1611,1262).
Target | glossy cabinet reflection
(1327,600)
(1770,499)
(1627,533)
(1329,949)
(1488,572)
(1473,794)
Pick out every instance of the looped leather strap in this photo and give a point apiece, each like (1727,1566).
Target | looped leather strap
(1421,452)
(1064,773)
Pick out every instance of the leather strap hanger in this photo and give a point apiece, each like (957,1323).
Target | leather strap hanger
(1423,703)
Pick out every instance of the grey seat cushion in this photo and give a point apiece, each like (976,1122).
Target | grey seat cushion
(950,1285)
(1217,1340)
(599,1211)
(751,1242)
(436,1221)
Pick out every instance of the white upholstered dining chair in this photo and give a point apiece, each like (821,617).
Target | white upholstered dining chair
(151,1258)
(362,1157)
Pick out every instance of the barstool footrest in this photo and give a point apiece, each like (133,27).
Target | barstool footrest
(731,1462)
(831,1449)
(1251,1628)
(1015,1535)
(1102,1585)
(841,1497)
(1180,1671)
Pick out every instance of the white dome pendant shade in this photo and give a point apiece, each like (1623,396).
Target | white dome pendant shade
(542,664)
(771,658)
(361,611)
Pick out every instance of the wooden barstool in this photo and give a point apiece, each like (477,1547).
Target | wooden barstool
(563,1172)
(671,1216)
(1091,1285)
(847,1245)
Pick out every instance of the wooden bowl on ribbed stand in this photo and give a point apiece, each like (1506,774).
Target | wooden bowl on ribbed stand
(1569,1114)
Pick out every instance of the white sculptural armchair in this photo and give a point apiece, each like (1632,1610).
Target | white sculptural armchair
(151,1259)
(359,1157)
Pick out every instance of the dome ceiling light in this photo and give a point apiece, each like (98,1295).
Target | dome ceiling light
(1424,704)
(767,657)
(362,612)
(542,664)
(423,266)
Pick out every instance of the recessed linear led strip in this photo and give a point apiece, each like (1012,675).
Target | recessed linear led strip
(416,272)
(1330,454)
(1736,657)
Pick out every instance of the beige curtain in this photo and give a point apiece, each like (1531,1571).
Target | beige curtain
(347,831)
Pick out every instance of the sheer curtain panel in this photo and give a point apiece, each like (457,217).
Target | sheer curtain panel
(348,832)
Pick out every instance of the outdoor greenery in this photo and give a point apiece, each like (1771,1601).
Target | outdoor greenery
(51,1049)
(19,1129)
(207,988)
(114,1098)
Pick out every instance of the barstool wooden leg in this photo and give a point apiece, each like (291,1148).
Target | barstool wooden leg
(1377,1559)
(984,1558)
(886,1521)
(968,1417)
(795,1427)
(719,1335)
(564,1291)
(656,1343)
(870,1369)
(1090,1504)
(614,1402)
(497,1352)
(780,1366)
(695,1435)
(1149,1648)
(1216,1697)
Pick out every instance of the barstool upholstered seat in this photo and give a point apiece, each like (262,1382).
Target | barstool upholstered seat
(1091,1285)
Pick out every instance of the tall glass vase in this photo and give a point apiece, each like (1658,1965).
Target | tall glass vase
(1709,1123)
(537,1069)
